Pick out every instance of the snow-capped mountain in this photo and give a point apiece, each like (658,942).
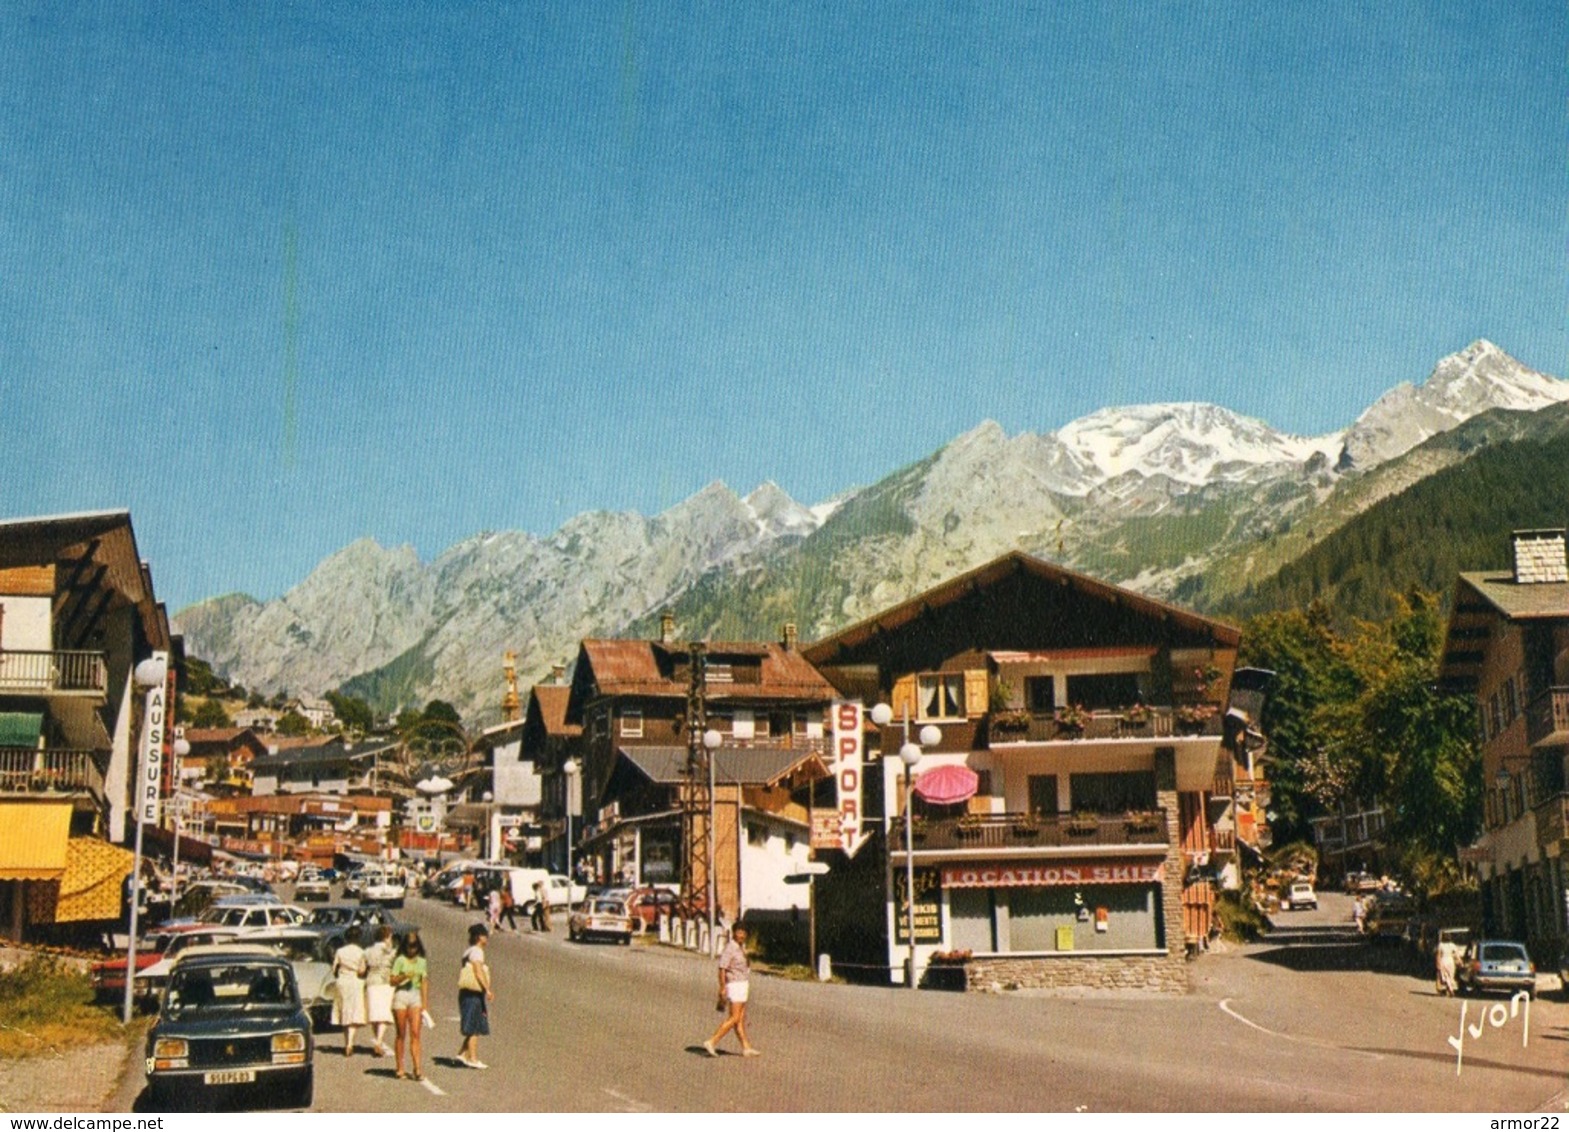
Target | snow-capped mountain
(1149,496)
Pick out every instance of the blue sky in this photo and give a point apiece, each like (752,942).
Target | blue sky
(276,276)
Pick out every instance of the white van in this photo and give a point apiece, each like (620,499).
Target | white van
(521,883)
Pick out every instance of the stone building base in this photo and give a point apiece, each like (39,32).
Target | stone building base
(1165,973)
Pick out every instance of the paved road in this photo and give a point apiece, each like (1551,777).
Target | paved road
(1333,1025)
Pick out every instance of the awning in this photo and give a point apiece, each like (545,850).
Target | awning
(945,785)
(94,874)
(33,838)
(20,729)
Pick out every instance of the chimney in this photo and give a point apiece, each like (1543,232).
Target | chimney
(789,636)
(1540,557)
(558,673)
(667,628)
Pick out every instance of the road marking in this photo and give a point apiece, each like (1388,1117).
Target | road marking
(432,1088)
(631,1105)
(1225,1006)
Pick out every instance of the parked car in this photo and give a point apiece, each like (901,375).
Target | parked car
(1497,965)
(310,954)
(1299,896)
(334,918)
(605,917)
(108,975)
(649,903)
(151,980)
(312,885)
(231,1026)
(1389,916)
(252,916)
(1357,881)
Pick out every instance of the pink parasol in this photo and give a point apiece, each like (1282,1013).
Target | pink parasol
(945,785)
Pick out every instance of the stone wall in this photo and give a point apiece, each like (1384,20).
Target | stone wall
(1165,973)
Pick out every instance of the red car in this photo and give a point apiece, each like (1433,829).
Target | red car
(647,904)
(109,975)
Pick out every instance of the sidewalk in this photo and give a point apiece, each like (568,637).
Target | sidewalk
(74,1080)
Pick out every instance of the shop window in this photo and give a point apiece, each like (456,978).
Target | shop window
(1112,792)
(1104,690)
(940,695)
(1130,923)
(631,723)
(971,921)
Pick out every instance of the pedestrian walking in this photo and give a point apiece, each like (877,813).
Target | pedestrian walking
(1445,957)
(348,972)
(509,907)
(474,997)
(735,982)
(540,921)
(410,979)
(493,908)
(379,957)
(1359,915)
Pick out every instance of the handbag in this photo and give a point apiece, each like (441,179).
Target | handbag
(468,980)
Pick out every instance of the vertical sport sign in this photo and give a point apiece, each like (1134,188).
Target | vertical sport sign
(153,723)
(849,740)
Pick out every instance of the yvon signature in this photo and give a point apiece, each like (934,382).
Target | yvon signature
(1496,1016)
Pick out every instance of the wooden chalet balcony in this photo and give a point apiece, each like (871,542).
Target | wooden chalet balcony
(1025,831)
(1547,718)
(37,673)
(24,770)
(1004,727)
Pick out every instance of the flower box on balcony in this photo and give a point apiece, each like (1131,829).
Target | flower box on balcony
(1143,821)
(1025,828)
(968,826)
(1011,724)
(1082,824)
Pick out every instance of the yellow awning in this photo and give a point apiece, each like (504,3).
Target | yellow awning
(90,889)
(33,837)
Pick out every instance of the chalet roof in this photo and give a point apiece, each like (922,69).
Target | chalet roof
(1517,601)
(550,702)
(1013,565)
(331,753)
(1481,599)
(633,668)
(95,550)
(749,766)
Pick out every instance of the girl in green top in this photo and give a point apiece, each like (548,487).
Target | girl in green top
(410,978)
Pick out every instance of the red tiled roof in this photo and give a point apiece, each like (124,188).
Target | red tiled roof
(631,667)
(551,702)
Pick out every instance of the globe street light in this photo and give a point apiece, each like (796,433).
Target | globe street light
(153,675)
(909,755)
(181,749)
(570,769)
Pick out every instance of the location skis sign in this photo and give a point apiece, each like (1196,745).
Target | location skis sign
(849,739)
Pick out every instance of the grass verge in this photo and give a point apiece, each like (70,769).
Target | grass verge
(46,1007)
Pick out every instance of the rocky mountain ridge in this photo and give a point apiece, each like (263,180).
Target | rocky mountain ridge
(1150,496)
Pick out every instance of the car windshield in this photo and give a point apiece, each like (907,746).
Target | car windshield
(215,989)
(1503,953)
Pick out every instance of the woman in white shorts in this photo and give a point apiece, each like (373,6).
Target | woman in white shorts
(410,980)
(735,984)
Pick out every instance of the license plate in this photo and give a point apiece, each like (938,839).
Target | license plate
(229,1077)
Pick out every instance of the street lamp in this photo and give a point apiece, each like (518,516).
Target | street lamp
(909,755)
(153,675)
(181,749)
(711,743)
(490,826)
(569,768)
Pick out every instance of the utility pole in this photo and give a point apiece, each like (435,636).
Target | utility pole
(697,810)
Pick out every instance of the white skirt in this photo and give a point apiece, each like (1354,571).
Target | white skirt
(378,1002)
(349,1009)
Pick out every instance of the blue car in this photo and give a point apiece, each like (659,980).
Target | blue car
(1497,965)
(231,1033)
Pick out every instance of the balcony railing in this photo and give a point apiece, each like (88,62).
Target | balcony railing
(1024,831)
(1045,727)
(1547,718)
(25,672)
(24,770)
